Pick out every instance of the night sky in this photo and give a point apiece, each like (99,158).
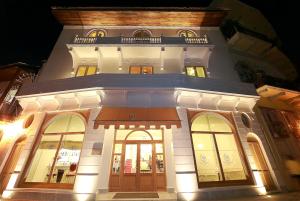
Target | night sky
(29,31)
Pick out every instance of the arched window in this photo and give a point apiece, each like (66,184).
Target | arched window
(187,33)
(217,154)
(56,158)
(142,33)
(96,33)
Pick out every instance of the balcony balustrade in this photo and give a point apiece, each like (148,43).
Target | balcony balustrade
(203,40)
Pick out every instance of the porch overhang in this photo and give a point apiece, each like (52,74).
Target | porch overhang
(136,117)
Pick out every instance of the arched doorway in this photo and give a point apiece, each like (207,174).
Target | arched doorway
(262,168)
(138,161)
(11,163)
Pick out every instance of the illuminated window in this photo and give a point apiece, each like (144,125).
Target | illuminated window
(84,70)
(96,33)
(187,33)
(217,154)
(56,158)
(195,71)
(141,70)
(142,34)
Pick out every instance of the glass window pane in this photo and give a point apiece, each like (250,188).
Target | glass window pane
(139,135)
(59,124)
(93,34)
(130,158)
(67,159)
(76,124)
(159,148)
(160,167)
(200,72)
(200,124)
(118,149)
(42,161)
(116,164)
(230,158)
(81,71)
(146,158)
(91,70)
(135,70)
(147,70)
(190,71)
(217,124)
(206,158)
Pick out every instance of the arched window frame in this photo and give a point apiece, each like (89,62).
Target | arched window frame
(49,119)
(142,30)
(192,115)
(186,31)
(97,30)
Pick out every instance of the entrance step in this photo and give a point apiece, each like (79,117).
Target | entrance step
(111,196)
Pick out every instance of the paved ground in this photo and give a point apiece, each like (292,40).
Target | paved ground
(295,196)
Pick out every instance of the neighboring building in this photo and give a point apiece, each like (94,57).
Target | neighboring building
(12,77)
(255,46)
(139,100)
(279,113)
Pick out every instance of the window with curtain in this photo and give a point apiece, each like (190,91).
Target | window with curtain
(58,150)
(84,70)
(96,33)
(187,33)
(218,157)
(195,71)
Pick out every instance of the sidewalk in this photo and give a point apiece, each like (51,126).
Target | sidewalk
(294,196)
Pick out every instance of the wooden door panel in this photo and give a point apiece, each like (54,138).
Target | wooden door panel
(114,182)
(129,183)
(146,182)
(160,182)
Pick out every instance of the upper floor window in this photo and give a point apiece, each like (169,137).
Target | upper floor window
(142,33)
(86,70)
(141,70)
(96,33)
(195,71)
(187,33)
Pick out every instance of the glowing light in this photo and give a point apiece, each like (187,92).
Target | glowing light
(162,68)
(259,183)
(200,146)
(13,129)
(120,68)
(269,196)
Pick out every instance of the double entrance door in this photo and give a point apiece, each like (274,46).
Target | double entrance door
(138,165)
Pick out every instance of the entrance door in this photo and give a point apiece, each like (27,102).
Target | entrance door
(10,165)
(261,165)
(138,163)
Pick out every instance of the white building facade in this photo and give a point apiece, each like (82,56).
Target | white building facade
(140,101)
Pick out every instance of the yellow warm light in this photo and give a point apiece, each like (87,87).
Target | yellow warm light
(259,183)
(12,129)
(200,146)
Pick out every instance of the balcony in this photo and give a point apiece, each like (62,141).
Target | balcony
(203,40)
(128,81)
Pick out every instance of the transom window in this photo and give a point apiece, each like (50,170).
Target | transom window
(195,71)
(187,33)
(96,33)
(142,33)
(141,70)
(84,70)
(218,157)
(56,158)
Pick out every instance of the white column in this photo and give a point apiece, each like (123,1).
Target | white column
(169,153)
(106,160)
(99,60)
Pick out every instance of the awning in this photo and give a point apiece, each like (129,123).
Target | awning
(136,117)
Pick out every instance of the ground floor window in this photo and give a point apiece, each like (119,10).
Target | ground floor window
(141,70)
(57,152)
(218,155)
(195,71)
